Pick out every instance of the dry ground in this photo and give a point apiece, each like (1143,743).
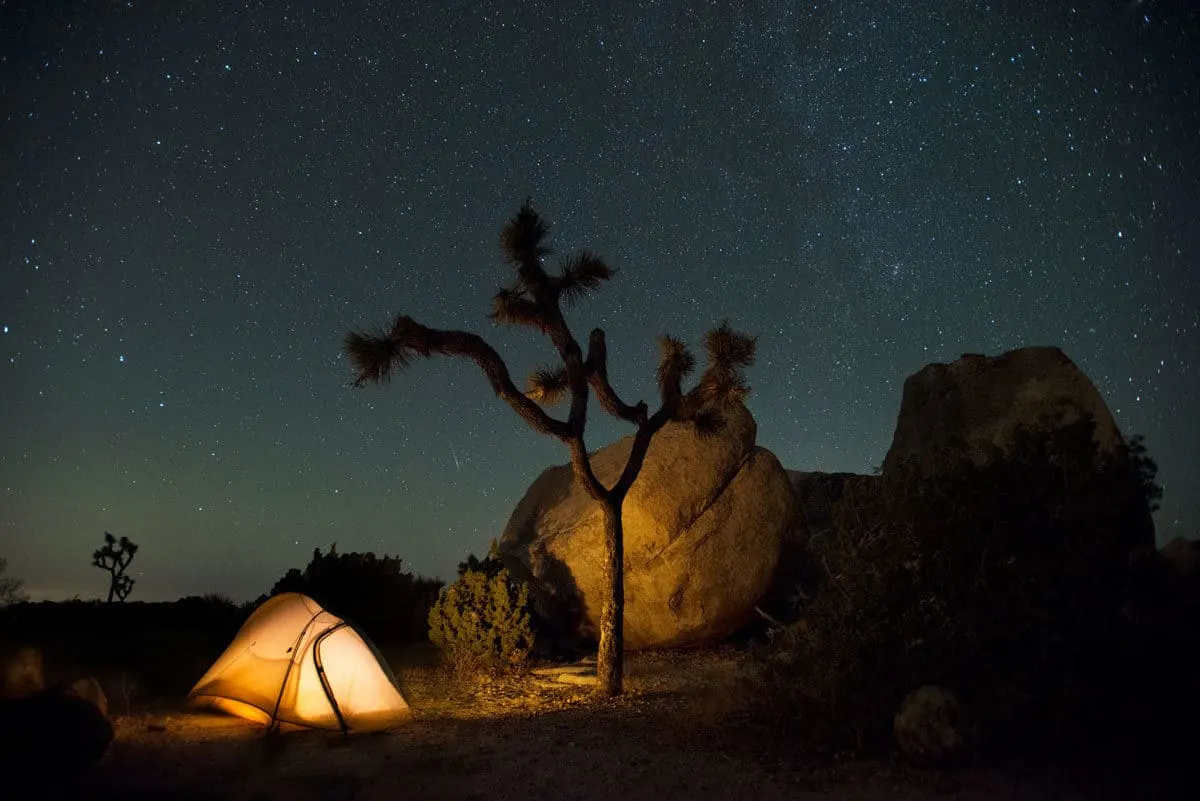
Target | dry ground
(672,735)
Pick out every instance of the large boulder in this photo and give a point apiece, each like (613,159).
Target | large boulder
(976,402)
(1030,409)
(88,688)
(703,527)
(50,735)
(1182,556)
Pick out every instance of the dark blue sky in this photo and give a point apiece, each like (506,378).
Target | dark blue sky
(199,199)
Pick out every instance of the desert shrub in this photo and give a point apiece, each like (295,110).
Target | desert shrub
(374,593)
(1002,581)
(219,599)
(481,621)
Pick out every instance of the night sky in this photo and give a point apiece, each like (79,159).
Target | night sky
(197,200)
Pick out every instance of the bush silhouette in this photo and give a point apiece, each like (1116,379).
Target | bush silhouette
(374,593)
(1003,582)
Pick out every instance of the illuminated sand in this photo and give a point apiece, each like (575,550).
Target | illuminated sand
(675,734)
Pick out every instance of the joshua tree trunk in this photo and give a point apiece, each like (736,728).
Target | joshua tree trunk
(609,658)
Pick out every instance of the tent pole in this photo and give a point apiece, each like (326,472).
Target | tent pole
(287,673)
(325,681)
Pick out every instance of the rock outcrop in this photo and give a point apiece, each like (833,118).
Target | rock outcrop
(1182,556)
(976,402)
(703,526)
(972,412)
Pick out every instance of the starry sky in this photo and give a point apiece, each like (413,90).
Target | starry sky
(198,199)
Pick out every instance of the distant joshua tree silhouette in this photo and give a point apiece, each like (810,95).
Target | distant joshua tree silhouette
(534,299)
(115,557)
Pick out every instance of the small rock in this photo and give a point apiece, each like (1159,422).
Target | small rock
(559,670)
(930,727)
(90,690)
(572,678)
(23,675)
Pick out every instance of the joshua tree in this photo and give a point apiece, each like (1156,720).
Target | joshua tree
(534,299)
(11,589)
(114,557)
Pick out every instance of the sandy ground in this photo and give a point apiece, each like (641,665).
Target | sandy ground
(670,736)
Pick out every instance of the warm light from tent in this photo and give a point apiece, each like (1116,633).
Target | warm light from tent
(241,710)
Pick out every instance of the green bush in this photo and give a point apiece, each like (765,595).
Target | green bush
(481,622)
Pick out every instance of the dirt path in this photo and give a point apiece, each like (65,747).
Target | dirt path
(665,739)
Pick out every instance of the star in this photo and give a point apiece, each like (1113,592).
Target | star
(866,189)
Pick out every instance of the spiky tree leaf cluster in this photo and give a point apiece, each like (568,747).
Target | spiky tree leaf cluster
(115,556)
(534,298)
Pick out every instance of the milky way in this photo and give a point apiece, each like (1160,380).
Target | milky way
(199,199)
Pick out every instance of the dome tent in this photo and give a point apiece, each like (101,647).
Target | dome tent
(293,663)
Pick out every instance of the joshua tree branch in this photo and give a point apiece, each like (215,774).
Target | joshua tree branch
(582,466)
(637,454)
(597,374)
(409,337)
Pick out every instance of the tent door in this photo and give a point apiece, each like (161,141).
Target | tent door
(287,674)
(325,680)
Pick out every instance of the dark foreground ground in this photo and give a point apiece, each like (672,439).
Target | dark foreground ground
(676,733)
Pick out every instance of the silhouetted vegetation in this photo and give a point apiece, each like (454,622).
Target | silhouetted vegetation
(139,651)
(534,299)
(1147,470)
(1006,583)
(481,621)
(115,557)
(490,564)
(11,589)
(374,593)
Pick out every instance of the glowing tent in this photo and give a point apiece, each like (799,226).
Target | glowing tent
(294,663)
